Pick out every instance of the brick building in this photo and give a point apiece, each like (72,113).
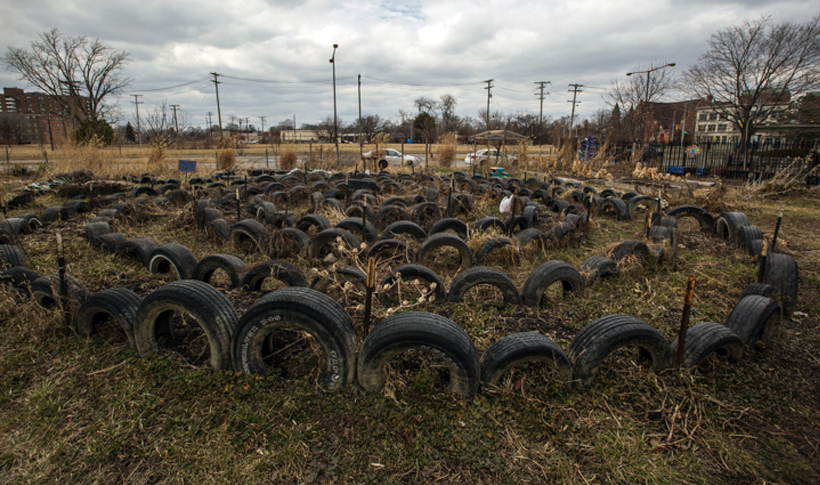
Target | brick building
(35,118)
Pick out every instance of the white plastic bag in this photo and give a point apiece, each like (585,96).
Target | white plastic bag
(506,202)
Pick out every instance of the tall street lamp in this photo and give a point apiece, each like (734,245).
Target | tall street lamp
(646,99)
(335,117)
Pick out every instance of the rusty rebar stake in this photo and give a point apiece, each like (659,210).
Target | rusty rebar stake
(368,296)
(777,227)
(684,319)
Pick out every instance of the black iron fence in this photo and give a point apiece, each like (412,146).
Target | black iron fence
(729,160)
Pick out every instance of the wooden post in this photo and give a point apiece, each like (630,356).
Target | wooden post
(238,207)
(450,197)
(364,219)
(368,296)
(267,160)
(684,320)
(648,224)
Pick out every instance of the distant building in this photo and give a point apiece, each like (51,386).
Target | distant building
(298,136)
(38,118)
(714,126)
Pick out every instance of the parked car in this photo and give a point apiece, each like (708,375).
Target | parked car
(495,156)
(389,156)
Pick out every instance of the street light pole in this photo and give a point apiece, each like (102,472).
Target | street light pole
(335,116)
(646,98)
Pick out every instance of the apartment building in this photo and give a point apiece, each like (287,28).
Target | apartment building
(34,118)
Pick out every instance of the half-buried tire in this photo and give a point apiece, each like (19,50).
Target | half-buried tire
(519,348)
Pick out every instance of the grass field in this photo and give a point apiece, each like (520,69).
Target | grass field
(90,410)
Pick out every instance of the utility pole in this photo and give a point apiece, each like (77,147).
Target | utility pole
(176,125)
(218,109)
(335,116)
(360,116)
(541,95)
(575,90)
(489,95)
(262,120)
(210,124)
(137,103)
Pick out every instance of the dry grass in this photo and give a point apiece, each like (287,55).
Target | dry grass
(288,157)
(446,151)
(76,409)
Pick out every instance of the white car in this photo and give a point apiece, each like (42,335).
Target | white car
(495,156)
(389,156)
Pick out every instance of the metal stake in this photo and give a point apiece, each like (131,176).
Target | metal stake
(684,320)
(777,227)
(368,296)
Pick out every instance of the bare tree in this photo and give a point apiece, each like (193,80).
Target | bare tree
(12,127)
(636,93)
(71,69)
(160,122)
(750,69)
(371,126)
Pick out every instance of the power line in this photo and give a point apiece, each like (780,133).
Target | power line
(173,87)
(575,90)
(270,81)
(421,84)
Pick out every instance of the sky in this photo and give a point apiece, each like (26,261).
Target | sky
(273,55)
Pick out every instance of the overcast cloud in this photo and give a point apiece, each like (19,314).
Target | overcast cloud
(274,53)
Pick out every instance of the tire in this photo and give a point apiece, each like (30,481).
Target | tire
(389,249)
(545,275)
(11,256)
(426,214)
(762,289)
(313,220)
(233,266)
(596,267)
(219,229)
(449,224)
(617,206)
(754,318)
(706,221)
(488,223)
(516,224)
(310,311)
(491,245)
(532,234)
(630,247)
(519,348)
(728,224)
(289,241)
(54,213)
(95,229)
(329,236)
(747,234)
(341,276)
(76,206)
(286,272)
(603,336)
(19,278)
(650,203)
(267,212)
(559,205)
(14,227)
(209,307)
(659,234)
(249,230)
(138,247)
(411,272)
(483,275)
(436,241)
(354,226)
(705,339)
(561,230)
(404,227)
(389,214)
(111,241)
(173,254)
(781,271)
(45,291)
(422,331)
(119,304)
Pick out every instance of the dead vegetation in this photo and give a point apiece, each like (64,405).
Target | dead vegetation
(123,419)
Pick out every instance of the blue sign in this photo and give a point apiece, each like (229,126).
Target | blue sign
(409,141)
(188,166)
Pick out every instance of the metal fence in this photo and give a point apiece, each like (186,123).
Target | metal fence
(729,160)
